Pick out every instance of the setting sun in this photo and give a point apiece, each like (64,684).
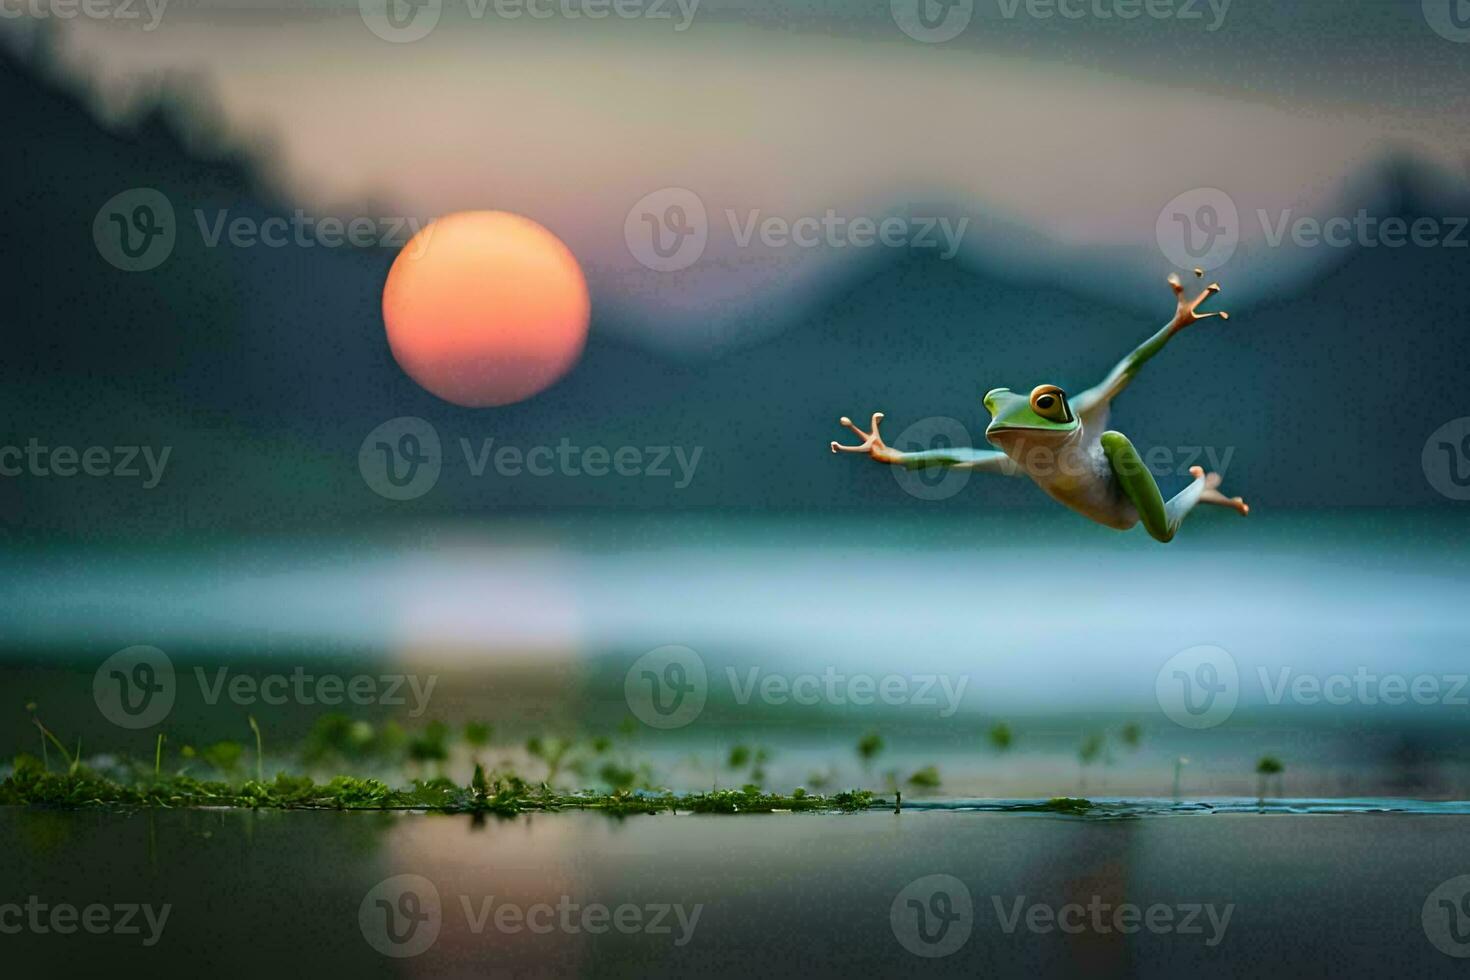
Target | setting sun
(485,308)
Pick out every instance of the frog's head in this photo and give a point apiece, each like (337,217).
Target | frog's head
(1043,418)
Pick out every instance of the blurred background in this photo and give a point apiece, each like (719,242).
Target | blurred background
(1041,173)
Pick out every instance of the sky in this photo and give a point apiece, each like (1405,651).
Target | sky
(1041,137)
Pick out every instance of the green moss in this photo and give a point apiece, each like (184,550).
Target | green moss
(32,785)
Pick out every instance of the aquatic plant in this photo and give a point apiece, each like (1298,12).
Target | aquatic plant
(868,748)
(223,756)
(1088,752)
(430,745)
(1131,734)
(742,757)
(925,778)
(554,752)
(1266,767)
(477,734)
(72,759)
(259,750)
(1000,736)
(821,780)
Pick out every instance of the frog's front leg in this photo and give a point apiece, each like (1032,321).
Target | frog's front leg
(1094,401)
(959,457)
(1161,518)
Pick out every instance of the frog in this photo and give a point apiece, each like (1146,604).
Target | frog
(1062,442)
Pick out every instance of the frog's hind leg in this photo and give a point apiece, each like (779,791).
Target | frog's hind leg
(1212,495)
(1161,518)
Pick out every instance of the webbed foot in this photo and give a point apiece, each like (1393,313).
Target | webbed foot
(872,443)
(1187,310)
(1212,494)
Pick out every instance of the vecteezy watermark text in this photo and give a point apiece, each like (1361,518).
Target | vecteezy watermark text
(1203,227)
(331,690)
(1203,919)
(833,688)
(1201,686)
(403,459)
(126,462)
(39,917)
(406,21)
(136,688)
(668,687)
(934,916)
(402,916)
(119,10)
(137,230)
(669,229)
(937,21)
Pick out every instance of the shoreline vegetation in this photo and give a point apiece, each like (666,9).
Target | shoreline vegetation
(79,787)
(337,743)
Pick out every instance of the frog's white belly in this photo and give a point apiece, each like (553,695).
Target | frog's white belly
(1080,477)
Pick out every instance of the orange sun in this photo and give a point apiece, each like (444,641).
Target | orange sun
(485,308)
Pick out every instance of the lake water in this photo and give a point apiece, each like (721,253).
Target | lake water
(1061,629)
(580,894)
(1066,633)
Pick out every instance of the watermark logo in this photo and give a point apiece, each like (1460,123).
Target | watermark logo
(936,482)
(1450,19)
(1446,459)
(932,916)
(667,230)
(401,916)
(401,459)
(932,21)
(1446,917)
(1199,229)
(401,21)
(1198,687)
(667,687)
(135,687)
(135,230)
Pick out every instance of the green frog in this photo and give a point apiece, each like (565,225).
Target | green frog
(1063,444)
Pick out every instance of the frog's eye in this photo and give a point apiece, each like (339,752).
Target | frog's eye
(1050,402)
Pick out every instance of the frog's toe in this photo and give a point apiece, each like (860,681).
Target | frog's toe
(869,439)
